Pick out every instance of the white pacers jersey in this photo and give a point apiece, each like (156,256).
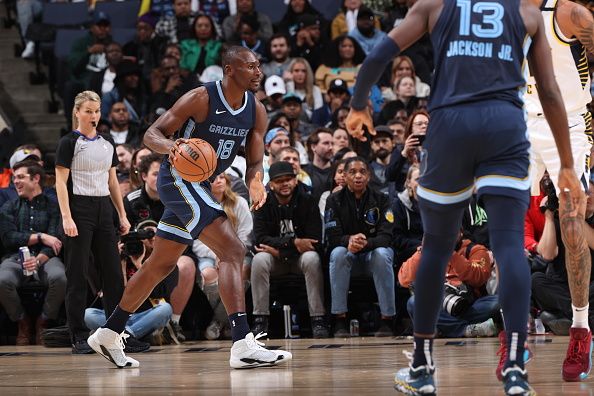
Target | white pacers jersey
(570,64)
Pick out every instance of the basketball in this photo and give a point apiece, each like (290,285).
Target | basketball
(195,161)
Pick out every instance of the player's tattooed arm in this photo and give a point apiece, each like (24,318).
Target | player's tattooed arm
(583,26)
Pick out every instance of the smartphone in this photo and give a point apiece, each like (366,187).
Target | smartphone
(420,138)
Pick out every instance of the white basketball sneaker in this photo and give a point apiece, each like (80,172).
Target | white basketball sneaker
(250,353)
(110,345)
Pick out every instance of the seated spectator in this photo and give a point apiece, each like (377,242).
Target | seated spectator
(404,91)
(202,48)
(246,8)
(274,140)
(467,273)
(366,34)
(337,96)
(27,11)
(346,19)
(404,156)
(292,108)
(550,289)
(102,81)
(309,43)
(358,225)
(178,27)
(28,152)
(155,312)
(289,24)
(144,204)
(278,55)
(280,119)
(129,90)
(287,235)
(169,85)
(408,228)
(381,150)
(338,182)
(121,129)
(398,128)
(275,90)
(135,179)
(124,153)
(237,211)
(31,220)
(319,144)
(291,155)
(340,140)
(146,47)
(248,31)
(87,55)
(341,60)
(301,83)
(402,66)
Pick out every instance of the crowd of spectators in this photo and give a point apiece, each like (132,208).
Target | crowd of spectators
(336,208)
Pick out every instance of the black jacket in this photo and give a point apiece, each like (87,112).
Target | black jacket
(372,216)
(278,225)
(408,227)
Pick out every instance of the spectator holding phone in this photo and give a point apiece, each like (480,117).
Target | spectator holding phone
(404,156)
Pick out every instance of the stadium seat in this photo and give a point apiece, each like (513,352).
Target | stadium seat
(123,14)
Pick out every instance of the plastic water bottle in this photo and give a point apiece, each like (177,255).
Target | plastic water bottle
(287,317)
(538,326)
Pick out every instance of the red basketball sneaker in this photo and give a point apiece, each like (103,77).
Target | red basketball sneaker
(502,352)
(578,361)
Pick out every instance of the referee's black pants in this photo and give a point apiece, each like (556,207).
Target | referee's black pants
(94,220)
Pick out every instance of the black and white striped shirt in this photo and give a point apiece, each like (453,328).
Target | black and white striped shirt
(89,161)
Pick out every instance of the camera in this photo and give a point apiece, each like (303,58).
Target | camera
(457,299)
(549,190)
(133,241)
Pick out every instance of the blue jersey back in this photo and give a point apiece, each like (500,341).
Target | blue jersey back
(479,47)
(224,128)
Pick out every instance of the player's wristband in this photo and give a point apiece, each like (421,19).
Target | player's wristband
(372,69)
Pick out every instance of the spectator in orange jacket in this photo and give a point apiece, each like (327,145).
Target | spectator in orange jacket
(467,310)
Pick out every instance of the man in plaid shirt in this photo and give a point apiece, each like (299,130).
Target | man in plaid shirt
(31,220)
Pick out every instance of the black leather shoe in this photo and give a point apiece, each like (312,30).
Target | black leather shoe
(319,328)
(133,345)
(80,347)
(341,329)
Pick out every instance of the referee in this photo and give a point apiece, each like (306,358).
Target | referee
(85,181)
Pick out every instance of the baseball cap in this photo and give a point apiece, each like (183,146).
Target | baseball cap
(365,13)
(338,84)
(21,155)
(101,17)
(292,97)
(306,20)
(274,133)
(274,85)
(281,168)
(212,73)
(383,131)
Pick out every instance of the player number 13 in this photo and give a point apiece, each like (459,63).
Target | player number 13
(491,25)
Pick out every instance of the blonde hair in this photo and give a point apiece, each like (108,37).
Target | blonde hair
(229,201)
(309,79)
(84,96)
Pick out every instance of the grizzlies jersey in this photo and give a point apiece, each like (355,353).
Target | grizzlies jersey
(570,64)
(480,47)
(224,128)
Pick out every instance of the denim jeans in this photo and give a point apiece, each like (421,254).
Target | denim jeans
(482,309)
(377,263)
(26,11)
(139,324)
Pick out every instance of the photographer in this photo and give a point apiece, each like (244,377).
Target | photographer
(550,289)
(155,313)
(467,310)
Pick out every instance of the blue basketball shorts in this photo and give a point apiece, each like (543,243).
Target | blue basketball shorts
(189,206)
(480,145)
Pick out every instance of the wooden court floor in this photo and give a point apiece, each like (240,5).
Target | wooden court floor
(357,366)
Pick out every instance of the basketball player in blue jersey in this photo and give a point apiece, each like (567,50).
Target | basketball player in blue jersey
(223,113)
(476,138)
(569,28)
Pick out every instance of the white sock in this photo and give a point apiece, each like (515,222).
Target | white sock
(580,317)
(175,318)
